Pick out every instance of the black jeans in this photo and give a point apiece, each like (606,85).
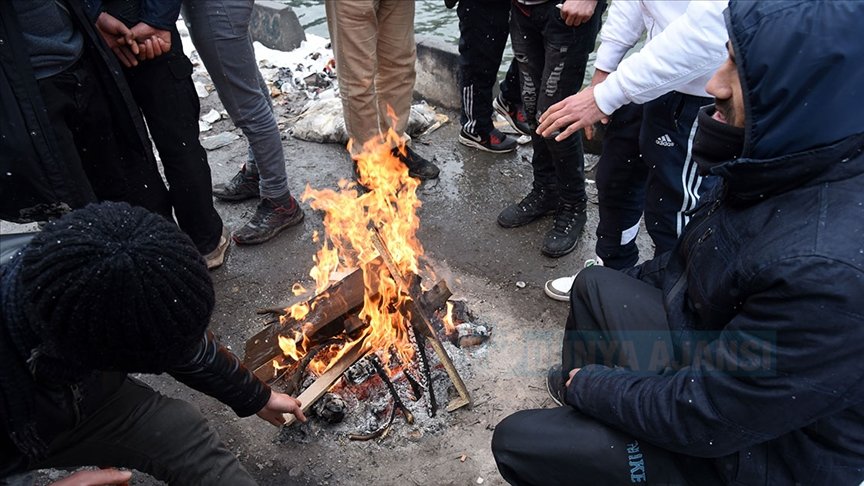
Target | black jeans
(164,91)
(141,429)
(647,166)
(614,320)
(552,59)
(91,137)
(483,30)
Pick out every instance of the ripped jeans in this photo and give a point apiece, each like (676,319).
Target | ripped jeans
(552,59)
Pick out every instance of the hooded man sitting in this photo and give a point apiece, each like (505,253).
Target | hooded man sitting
(736,357)
(104,291)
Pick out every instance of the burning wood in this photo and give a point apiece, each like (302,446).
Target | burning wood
(378,308)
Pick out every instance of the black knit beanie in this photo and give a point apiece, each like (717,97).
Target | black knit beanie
(112,287)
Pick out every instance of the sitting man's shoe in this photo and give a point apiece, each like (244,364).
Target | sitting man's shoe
(559,288)
(418,167)
(242,186)
(555,385)
(566,230)
(495,142)
(538,203)
(513,113)
(270,218)
(216,257)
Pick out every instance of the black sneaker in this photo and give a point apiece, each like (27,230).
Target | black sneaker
(538,203)
(241,187)
(496,142)
(566,230)
(514,114)
(418,167)
(555,385)
(269,219)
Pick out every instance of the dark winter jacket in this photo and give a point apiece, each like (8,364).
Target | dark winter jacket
(212,369)
(769,273)
(35,182)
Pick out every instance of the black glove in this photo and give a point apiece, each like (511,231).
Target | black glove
(450,3)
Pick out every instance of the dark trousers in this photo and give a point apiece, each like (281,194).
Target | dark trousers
(647,166)
(141,429)
(164,91)
(552,59)
(483,29)
(614,320)
(89,137)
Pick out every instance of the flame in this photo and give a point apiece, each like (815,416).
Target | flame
(390,205)
(449,326)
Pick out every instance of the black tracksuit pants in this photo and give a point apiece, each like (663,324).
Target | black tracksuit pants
(483,29)
(562,446)
(164,90)
(647,166)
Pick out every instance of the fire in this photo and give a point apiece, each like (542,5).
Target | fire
(390,205)
(449,325)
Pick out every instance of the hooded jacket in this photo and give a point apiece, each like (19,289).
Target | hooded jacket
(769,274)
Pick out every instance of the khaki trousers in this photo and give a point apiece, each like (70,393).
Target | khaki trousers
(373,41)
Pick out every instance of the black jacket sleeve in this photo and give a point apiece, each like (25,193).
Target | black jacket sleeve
(161,14)
(214,370)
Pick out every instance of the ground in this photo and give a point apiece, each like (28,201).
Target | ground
(484,264)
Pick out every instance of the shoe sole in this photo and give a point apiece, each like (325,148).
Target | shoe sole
(562,252)
(553,294)
(256,241)
(474,144)
(235,198)
(501,111)
(519,225)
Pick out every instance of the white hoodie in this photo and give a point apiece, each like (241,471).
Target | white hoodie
(686,43)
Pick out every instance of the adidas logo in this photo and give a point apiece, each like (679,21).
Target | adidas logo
(665,141)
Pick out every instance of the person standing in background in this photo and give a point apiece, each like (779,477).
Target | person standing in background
(552,46)
(373,42)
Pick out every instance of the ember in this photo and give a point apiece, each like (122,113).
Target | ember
(368,299)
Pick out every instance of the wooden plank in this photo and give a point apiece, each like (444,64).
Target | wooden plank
(317,389)
(417,309)
(325,308)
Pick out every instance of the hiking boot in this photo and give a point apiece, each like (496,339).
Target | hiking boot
(418,167)
(242,186)
(496,142)
(538,203)
(559,288)
(269,219)
(555,385)
(566,229)
(216,257)
(513,113)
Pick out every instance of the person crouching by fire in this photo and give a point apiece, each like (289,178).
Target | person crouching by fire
(104,291)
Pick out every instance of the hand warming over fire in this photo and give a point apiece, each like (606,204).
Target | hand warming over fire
(569,115)
(278,404)
(572,374)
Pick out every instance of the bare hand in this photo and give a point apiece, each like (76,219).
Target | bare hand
(152,42)
(95,478)
(570,115)
(577,12)
(279,404)
(572,374)
(119,39)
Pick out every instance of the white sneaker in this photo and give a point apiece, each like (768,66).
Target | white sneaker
(559,288)
(216,257)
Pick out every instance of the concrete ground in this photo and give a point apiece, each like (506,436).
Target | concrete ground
(484,264)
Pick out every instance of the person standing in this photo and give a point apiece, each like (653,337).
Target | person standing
(220,32)
(483,31)
(551,45)
(373,41)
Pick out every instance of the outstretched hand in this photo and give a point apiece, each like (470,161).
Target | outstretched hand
(97,477)
(152,42)
(119,39)
(279,404)
(570,115)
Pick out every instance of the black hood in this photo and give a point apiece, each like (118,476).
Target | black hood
(801,64)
